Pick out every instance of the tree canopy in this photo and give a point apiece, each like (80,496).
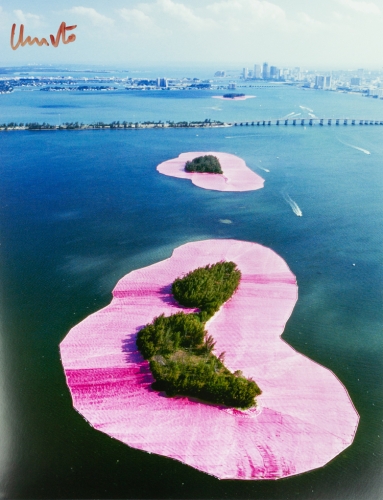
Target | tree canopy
(232,96)
(179,349)
(208,163)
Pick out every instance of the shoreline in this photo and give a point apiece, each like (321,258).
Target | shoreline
(237,176)
(304,418)
(239,98)
(115,126)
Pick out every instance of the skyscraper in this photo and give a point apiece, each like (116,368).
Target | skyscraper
(273,72)
(162,82)
(265,72)
(244,73)
(257,71)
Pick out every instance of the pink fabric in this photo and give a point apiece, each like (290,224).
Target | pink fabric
(241,98)
(236,176)
(304,416)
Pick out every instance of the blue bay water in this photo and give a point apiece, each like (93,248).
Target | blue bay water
(270,103)
(81,209)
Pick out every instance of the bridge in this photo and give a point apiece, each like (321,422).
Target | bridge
(309,121)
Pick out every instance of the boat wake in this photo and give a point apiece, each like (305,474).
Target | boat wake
(365,151)
(264,169)
(307,109)
(293,205)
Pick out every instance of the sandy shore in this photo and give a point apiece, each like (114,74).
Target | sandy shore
(236,176)
(239,98)
(304,417)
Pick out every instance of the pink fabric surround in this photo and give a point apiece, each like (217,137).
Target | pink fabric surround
(303,418)
(236,176)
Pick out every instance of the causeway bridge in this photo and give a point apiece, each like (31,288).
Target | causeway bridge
(308,121)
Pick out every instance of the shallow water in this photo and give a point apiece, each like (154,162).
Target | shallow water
(81,209)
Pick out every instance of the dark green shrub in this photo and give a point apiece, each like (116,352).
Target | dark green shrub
(207,287)
(208,163)
(180,350)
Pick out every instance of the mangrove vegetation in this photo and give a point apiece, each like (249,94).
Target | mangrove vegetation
(204,164)
(180,350)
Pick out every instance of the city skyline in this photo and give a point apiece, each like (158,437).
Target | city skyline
(336,34)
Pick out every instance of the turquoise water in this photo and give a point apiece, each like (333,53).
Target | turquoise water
(270,103)
(81,209)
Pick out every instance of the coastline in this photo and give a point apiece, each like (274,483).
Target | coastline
(305,416)
(115,126)
(239,98)
(237,176)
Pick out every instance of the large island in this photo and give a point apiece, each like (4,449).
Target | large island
(304,416)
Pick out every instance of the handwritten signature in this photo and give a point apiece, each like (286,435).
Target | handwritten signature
(61,34)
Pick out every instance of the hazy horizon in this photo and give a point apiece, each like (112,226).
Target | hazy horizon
(337,34)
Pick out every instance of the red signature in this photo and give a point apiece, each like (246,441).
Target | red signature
(61,34)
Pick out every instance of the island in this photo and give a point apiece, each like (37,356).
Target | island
(115,125)
(233,97)
(204,164)
(236,175)
(303,418)
(179,349)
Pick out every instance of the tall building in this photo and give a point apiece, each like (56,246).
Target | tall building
(244,73)
(320,82)
(360,73)
(356,81)
(162,82)
(257,73)
(273,72)
(323,82)
(265,71)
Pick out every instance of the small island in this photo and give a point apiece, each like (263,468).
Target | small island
(233,96)
(204,164)
(236,175)
(179,348)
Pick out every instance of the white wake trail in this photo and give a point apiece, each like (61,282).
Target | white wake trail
(293,205)
(287,116)
(307,109)
(365,151)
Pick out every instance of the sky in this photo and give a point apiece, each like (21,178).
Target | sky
(312,34)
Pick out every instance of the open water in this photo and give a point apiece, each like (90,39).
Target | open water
(81,209)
